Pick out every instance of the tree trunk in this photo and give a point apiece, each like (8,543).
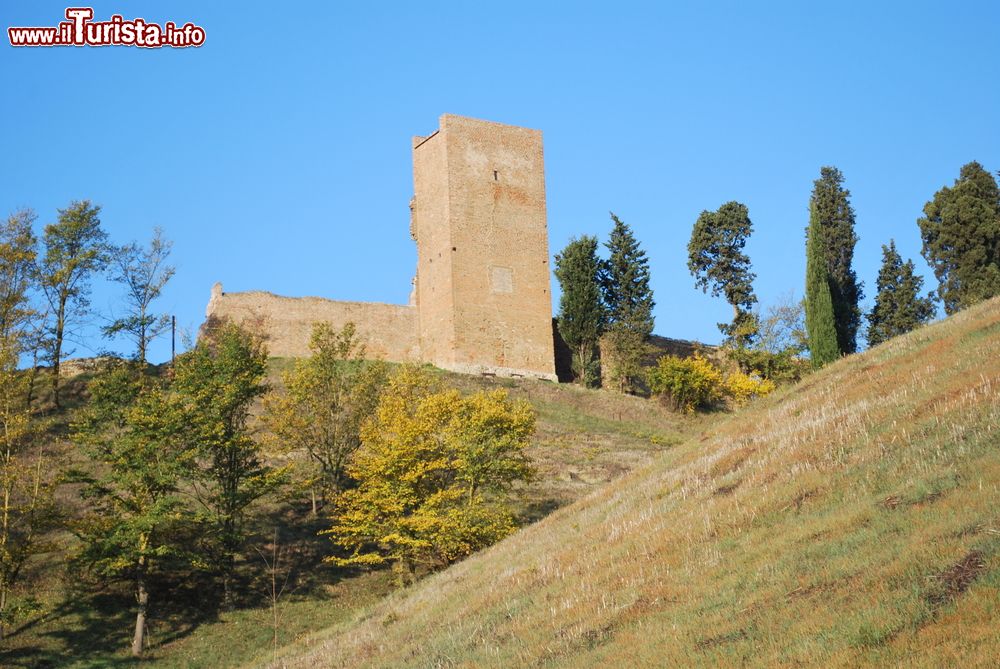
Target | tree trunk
(57,349)
(3,608)
(32,378)
(139,638)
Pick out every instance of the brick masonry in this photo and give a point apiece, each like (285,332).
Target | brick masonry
(482,300)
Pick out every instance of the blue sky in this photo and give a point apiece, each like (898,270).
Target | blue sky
(277,155)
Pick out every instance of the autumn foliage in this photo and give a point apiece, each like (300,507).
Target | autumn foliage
(432,472)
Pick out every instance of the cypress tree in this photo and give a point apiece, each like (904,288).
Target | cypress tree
(898,305)
(581,312)
(831,210)
(961,238)
(717,261)
(629,302)
(821,327)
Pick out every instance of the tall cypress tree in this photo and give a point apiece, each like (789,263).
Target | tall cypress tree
(899,307)
(831,210)
(961,234)
(821,329)
(629,301)
(581,311)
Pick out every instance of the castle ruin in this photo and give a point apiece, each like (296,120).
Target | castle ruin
(481,301)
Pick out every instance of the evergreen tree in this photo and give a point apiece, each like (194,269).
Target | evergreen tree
(961,238)
(821,327)
(581,312)
(898,305)
(629,302)
(717,261)
(831,210)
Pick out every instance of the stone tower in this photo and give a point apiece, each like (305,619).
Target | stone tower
(478,217)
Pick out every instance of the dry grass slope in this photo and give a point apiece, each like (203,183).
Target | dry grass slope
(849,521)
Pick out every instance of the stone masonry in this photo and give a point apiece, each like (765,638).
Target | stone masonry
(482,302)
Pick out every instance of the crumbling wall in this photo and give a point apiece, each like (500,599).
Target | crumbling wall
(388,331)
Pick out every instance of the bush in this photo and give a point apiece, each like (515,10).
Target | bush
(781,367)
(686,383)
(693,383)
(741,388)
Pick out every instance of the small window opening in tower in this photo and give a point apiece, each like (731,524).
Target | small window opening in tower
(495,176)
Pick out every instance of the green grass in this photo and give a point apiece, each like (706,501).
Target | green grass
(584,439)
(852,520)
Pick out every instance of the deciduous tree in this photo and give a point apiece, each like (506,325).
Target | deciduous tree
(75,247)
(327,397)
(216,384)
(144,273)
(27,508)
(432,474)
(18,252)
(137,517)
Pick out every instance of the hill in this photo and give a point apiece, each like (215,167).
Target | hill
(851,520)
(583,440)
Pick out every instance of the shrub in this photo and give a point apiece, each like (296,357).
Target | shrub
(741,388)
(686,383)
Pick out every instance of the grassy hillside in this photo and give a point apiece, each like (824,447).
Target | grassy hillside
(583,440)
(851,520)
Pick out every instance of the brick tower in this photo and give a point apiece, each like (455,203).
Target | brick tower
(482,291)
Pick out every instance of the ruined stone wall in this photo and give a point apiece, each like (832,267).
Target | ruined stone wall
(430,229)
(481,302)
(388,331)
(480,224)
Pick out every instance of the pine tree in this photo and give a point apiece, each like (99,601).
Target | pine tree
(820,323)
(961,238)
(717,261)
(898,305)
(629,302)
(831,210)
(581,312)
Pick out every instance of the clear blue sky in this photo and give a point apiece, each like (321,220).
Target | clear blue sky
(277,156)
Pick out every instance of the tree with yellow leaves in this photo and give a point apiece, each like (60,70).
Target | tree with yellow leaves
(327,397)
(27,508)
(433,471)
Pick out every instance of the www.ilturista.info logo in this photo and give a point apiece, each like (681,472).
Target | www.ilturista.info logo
(79,30)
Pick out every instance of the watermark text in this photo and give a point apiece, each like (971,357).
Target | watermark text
(79,29)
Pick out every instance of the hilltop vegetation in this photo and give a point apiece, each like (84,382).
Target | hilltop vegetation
(582,440)
(849,520)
